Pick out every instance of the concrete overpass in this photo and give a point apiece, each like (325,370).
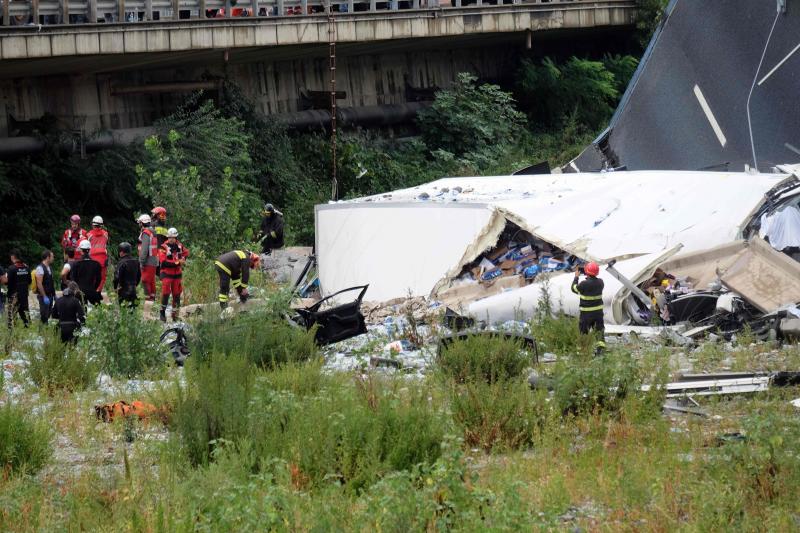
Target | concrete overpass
(83,72)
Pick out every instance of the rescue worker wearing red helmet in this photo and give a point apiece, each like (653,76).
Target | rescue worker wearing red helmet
(173,256)
(590,292)
(234,268)
(98,238)
(159,219)
(73,235)
(148,256)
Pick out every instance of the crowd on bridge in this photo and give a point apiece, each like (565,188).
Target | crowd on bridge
(86,261)
(244,9)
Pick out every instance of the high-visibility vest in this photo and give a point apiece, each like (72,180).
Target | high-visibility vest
(99,241)
(153,242)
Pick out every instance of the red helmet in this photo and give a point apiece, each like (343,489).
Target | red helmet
(159,212)
(74,218)
(255,260)
(591,269)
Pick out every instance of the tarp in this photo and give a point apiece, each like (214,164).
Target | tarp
(686,106)
(782,228)
(415,240)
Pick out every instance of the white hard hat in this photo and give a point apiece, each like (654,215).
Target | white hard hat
(97,220)
(172,232)
(85,245)
(144,218)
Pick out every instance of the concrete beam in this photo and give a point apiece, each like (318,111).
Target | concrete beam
(23,42)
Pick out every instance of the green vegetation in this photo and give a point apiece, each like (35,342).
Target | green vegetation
(484,358)
(24,441)
(122,341)
(54,366)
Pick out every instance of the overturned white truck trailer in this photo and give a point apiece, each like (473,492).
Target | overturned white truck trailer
(418,241)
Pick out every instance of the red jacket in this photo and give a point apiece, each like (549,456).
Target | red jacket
(73,238)
(98,237)
(172,257)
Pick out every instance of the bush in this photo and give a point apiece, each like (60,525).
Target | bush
(200,279)
(54,365)
(266,338)
(469,117)
(24,440)
(600,384)
(484,358)
(343,434)
(122,341)
(505,414)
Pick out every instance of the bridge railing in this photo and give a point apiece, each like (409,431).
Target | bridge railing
(22,13)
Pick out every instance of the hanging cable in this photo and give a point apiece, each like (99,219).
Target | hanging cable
(755,77)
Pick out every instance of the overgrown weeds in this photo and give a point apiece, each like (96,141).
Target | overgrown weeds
(265,337)
(53,365)
(24,440)
(484,358)
(327,429)
(122,341)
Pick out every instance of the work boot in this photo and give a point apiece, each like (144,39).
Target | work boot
(163,314)
(223,305)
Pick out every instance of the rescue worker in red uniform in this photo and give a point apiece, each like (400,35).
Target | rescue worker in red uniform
(98,237)
(148,257)
(590,291)
(159,218)
(173,256)
(234,268)
(73,235)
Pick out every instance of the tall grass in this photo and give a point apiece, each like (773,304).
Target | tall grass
(24,440)
(340,433)
(267,339)
(484,358)
(122,341)
(53,365)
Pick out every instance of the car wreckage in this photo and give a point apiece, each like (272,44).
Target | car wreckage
(688,246)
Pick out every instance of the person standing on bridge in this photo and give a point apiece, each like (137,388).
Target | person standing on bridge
(148,257)
(98,237)
(590,292)
(73,235)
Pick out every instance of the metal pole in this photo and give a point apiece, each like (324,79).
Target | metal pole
(332,66)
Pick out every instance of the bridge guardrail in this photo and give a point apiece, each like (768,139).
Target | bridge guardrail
(26,13)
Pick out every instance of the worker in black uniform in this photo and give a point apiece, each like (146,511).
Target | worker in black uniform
(127,276)
(590,291)
(45,286)
(19,282)
(87,274)
(69,312)
(271,229)
(234,268)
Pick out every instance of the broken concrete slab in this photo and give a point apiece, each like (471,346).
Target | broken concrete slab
(764,277)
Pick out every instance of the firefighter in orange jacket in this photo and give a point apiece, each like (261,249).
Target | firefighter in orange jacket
(172,255)
(234,267)
(148,256)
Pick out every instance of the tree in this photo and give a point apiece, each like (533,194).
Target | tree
(209,196)
(470,118)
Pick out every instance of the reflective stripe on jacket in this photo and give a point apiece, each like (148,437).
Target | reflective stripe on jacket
(590,292)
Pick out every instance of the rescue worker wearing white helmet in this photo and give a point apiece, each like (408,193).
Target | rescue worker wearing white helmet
(173,256)
(98,238)
(86,273)
(148,256)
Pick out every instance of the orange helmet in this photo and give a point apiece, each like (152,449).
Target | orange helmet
(159,212)
(591,269)
(255,260)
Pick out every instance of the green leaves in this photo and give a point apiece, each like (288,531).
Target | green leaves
(200,170)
